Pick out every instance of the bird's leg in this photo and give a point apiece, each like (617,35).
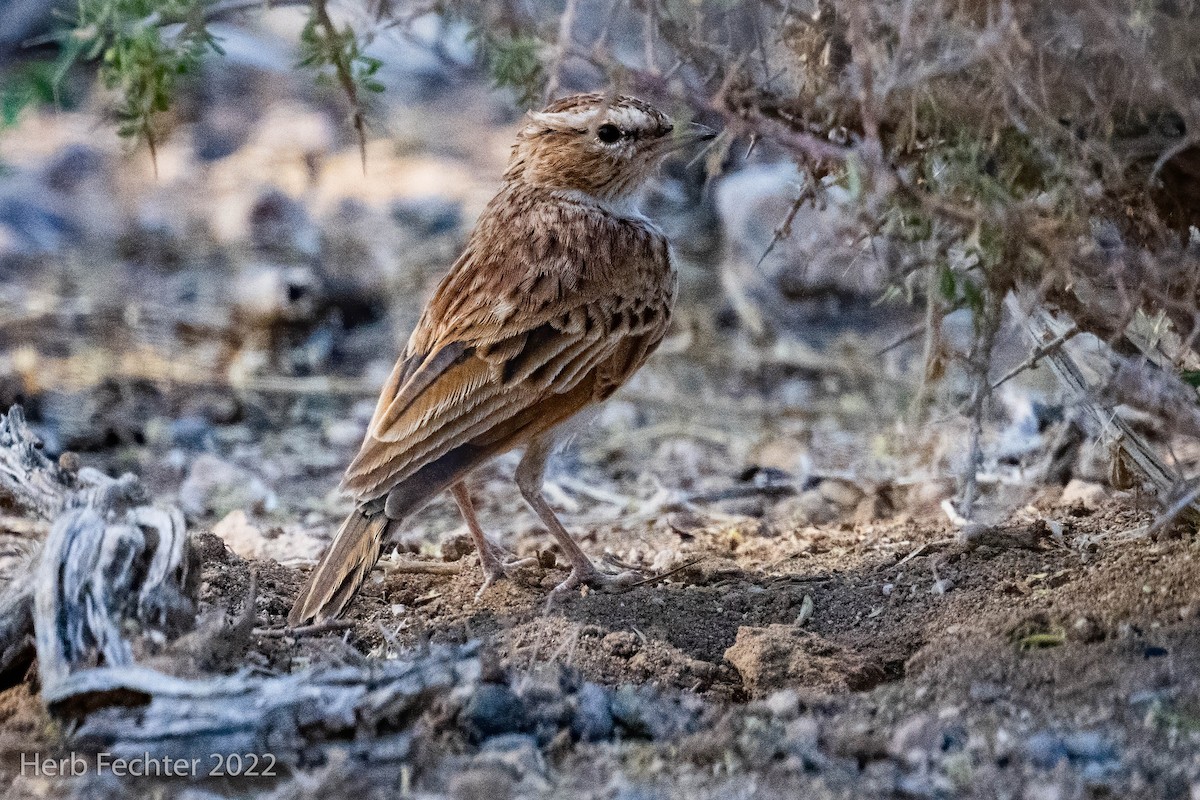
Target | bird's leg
(491,555)
(529,477)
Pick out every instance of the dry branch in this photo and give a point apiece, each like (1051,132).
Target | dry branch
(114,565)
(1103,423)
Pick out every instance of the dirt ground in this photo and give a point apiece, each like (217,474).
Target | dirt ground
(844,660)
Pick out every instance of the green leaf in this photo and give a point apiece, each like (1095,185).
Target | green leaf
(948,284)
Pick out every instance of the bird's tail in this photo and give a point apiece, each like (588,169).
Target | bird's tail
(343,568)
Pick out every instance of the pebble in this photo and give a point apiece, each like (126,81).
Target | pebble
(593,721)
(641,712)
(214,485)
(1089,746)
(986,691)
(518,752)
(941,586)
(1044,749)
(428,216)
(783,704)
(493,710)
(344,433)
(191,433)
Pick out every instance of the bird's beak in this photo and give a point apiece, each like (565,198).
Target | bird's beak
(695,133)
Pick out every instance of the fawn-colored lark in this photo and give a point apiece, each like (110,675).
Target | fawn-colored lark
(562,292)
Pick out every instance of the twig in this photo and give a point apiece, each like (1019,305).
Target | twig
(1178,507)
(1039,352)
(345,76)
(415,567)
(987,326)
(785,228)
(664,575)
(303,630)
(902,340)
(566,23)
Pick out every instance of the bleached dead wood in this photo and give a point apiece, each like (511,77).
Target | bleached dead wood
(114,567)
(1086,393)
(370,711)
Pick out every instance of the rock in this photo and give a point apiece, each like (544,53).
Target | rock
(843,494)
(783,704)
(344,433)
(803,736)
(27,228)
(1044,749)
(642,712)
(1089,746)
(621,643)
(986,692)
(922,738)
(593,720)
(941,586)
(215,486)
(1086,629)
(242,537)
(547,709)
(784,656)
(1081,494)
(813,507)
(191,433)
(280,227)
(265,295)
(493,710)
(518,753)
(428,216)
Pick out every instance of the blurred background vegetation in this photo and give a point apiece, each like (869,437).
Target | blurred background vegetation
(910,204)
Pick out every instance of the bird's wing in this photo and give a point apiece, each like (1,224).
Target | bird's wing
(496,391)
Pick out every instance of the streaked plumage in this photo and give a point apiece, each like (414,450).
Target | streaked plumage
(562,292)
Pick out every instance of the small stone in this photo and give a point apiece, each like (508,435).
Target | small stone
(191,433)
(493,709)
(1086,629)
(986,691)
(1089,746)
(779,656)
(783,704)
(268,294)
(641,712)
(593,721)
(344,433)
(813,507)
(803,735)
(843,494)
(1082,494)
(621,643)
(1045,749)
(239,534)
(518,752)
(214,486)
(941,586)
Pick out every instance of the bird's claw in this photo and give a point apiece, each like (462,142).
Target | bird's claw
(591,577)
(497,563)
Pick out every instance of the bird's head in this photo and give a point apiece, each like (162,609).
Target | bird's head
(603,146)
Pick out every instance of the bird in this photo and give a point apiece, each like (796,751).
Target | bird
(562,291)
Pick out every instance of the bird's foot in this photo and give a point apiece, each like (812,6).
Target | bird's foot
(497,563)
(586,574)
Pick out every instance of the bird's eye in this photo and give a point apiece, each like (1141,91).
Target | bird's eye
(608,133)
